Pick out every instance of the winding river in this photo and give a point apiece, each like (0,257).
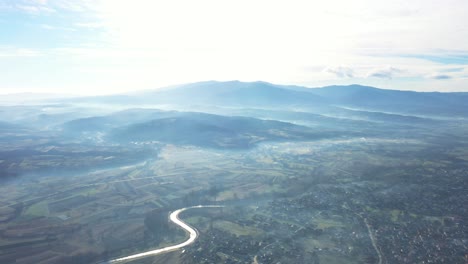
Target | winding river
(174,217)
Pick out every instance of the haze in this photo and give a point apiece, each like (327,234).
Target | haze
(111,46)
(283,173)
(247,132)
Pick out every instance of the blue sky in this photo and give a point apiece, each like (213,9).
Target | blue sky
(111,46)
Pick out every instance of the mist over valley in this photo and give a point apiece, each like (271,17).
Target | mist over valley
(338,174)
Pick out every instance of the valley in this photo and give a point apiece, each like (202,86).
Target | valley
(304,182)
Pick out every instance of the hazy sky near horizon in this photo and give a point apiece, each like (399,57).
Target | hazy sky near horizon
(109,46)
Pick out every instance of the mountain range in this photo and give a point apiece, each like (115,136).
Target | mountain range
(267,95)
(236,114)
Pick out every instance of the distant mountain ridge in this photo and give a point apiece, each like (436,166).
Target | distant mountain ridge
(263,94)
(236,93)
(395,100)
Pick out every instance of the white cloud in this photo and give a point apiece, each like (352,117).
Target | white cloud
(19,52)
(166,42)
(41,2)
(387,72)
(341,71)
(48,27)
(35,9)
(75,6)
(90,25)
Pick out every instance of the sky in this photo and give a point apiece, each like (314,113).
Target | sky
(92,47)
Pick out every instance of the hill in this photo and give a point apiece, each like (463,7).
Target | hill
(215,131)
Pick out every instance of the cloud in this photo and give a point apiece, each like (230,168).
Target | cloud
(385,73)
(41,2)
(48,27)
(18,52)
(441,77)
(340,71)
(460,69)
(75,6)
(35,9)
(166,42)
(441,58)
(90,25)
